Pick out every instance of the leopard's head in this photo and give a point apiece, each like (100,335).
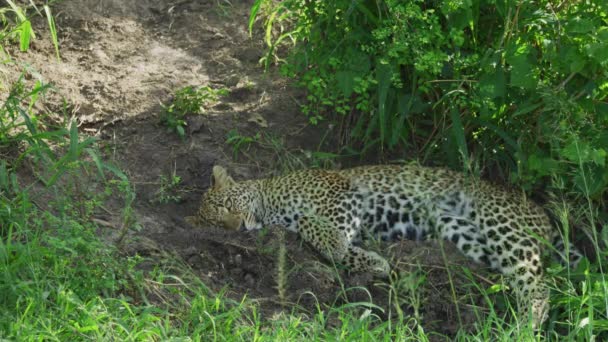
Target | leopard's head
(228,203)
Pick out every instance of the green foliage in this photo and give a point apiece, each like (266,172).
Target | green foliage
(168,189)
(54,265)
(189,100)
(240,142)
(519,87)
(15,26)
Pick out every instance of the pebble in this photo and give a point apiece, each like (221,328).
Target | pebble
(249,280)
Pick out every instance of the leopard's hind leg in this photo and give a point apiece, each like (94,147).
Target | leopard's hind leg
(521,266)
(335,245)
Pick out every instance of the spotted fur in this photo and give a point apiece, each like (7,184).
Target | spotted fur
(332,209)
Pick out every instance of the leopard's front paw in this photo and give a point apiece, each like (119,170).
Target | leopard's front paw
(378,265)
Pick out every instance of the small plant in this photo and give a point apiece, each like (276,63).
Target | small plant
(240,142)
(15,25)
(407,288)
(189,100)
(129,220)
(168,189)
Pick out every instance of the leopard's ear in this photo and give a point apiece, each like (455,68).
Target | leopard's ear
(220,179)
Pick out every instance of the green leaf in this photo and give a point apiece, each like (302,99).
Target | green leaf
(604,234)
(4,184)
(534,163)
(581,152)
(580,25)
(404,106)
(345,80)
(53,29)
(368,14)
(601,109)
(573,58)
(253,14)
(324,155)
(599,156)
(73,140)
(522,70)
(458,133)
(180,130)
(602,34)
(25,33)
(499,131)
(543,166)
(590,180)
(526,108)
(97,160)
(493,85)
(598,51)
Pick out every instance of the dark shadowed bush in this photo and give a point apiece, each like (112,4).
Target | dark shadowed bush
(516,87)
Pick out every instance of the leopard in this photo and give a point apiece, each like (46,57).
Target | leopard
(333,210)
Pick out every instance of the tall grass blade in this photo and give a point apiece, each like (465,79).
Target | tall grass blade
(25,33)
(53,29)
(20,15)
(253,14)
(73,152)
(459,135)
(98,162)
(368,14)
(500,132)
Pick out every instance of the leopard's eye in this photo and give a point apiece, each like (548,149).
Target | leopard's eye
(228,203)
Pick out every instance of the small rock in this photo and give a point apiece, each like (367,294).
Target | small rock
(249,280)
(195,123)
(236,272)
(250,54)
(194,260)
(238,259)
(191,250)
(258,119)
(231,80)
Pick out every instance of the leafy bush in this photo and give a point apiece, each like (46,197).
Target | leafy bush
(516,87)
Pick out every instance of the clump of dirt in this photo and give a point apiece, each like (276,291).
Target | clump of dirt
(121,60)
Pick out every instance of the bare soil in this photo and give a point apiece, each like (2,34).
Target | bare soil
(121,60)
